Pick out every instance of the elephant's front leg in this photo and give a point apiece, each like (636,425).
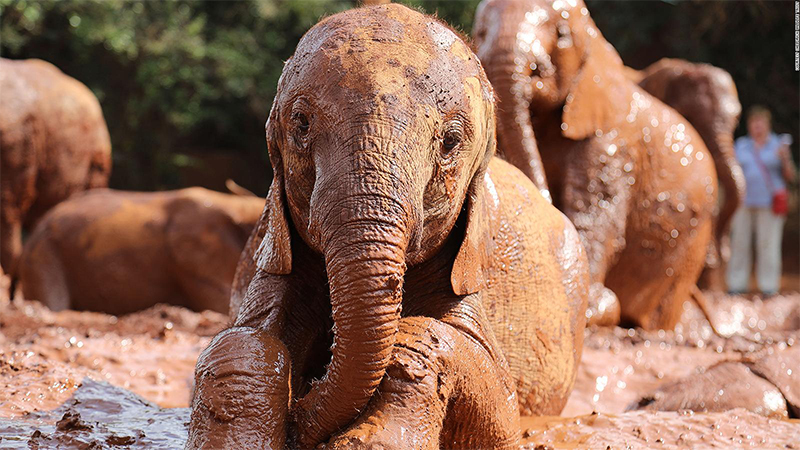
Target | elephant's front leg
(242,392)
(442,389)
(243,379)
(596,198)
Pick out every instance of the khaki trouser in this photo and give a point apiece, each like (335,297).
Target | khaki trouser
(768,229)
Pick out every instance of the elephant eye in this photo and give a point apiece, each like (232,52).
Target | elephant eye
(451,140)
(302,122)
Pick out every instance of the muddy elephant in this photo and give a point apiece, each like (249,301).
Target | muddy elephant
(706,96)
(53,143)
(764,382)
(410,290)
(632,174)
(120,252)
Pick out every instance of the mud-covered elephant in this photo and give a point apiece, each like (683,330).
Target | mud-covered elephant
(632,174)
(120,252)
(410,290)
(706,96)
(764,382)
(53,143)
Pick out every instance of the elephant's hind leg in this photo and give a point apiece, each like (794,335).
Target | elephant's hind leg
(442,390)
(242,392)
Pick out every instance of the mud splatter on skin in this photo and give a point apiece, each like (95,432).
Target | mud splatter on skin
(633,176)
(706,96)
(54,143)
(388,208)
(121,252)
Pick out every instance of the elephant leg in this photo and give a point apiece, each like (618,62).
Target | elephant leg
(242,392)
(42,275)
(442,389)
(202,293)
(732,185)
(603,308)
(598,206)
(10,248)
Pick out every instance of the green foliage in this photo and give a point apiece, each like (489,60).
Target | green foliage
(186,86)
(753,40)
(173,77)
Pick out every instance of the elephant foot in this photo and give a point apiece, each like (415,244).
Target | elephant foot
(762,387)
(603,309)
(441,389)
(242,392)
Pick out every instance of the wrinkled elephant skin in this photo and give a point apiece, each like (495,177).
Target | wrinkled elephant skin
(120,252)
(632,174)
(53,143)
(411,290)
(706,96)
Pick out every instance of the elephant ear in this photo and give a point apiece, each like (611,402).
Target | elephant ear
(599,98)
(472,262)
(274,254)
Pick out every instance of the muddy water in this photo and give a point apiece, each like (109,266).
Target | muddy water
(98,415)
(71,379)
(44,356)
(645,429)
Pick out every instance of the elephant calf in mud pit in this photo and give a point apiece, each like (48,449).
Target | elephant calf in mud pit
(410,290)
(120,252)
(632,174)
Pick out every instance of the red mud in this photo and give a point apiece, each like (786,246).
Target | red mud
(65,379)
(44,356)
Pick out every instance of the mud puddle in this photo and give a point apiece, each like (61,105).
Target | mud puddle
(736,428)
(44,356)
(97,416)
(71,379)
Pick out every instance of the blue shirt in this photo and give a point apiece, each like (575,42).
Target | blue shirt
(759,194)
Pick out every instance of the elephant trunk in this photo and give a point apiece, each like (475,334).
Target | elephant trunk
(510,76)
(364,240)
(730,175)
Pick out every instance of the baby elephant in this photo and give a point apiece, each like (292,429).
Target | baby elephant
(120,252)
(410,290)
(632,174)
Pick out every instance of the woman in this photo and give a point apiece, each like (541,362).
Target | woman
(767,166)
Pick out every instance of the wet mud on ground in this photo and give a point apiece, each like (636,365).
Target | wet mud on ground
(87,380)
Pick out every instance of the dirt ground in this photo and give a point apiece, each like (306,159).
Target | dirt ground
(88,380)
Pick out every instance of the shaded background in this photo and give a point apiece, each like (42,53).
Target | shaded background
(186,86)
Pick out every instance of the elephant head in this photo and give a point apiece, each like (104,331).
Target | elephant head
(544,54)
(379,137)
